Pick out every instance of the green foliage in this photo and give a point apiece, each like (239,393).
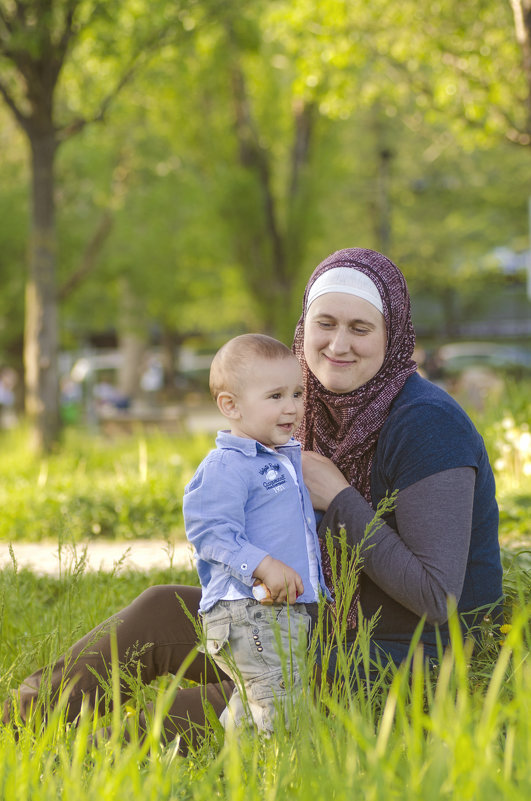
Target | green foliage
(437,86)
(504,424)
(461,731)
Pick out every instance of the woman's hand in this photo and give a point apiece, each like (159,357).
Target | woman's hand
(323,479)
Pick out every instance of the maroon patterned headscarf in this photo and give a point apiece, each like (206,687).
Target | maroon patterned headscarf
(345,427)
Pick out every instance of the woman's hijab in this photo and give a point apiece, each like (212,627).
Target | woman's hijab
(345,427)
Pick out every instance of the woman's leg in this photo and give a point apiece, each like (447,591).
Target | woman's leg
(187,714)
(153,632)
(383,655)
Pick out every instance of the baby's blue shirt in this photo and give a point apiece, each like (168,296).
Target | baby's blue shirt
(242,505)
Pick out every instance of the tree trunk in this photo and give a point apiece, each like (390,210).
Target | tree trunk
(131,341)
(383,188)
(41,323)
(449,298)
(381,202)
(522,23)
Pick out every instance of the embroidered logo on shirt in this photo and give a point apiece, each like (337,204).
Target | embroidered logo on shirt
(274,479)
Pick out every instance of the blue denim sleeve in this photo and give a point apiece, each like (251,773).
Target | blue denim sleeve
(214,518)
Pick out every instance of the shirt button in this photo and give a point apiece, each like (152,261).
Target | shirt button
(309,519)
(243,566)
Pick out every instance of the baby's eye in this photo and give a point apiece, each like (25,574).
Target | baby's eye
(276,395)
(298,394)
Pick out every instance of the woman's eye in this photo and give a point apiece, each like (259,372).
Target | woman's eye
(323,324)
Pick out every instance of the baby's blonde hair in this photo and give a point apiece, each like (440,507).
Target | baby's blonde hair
(227,371)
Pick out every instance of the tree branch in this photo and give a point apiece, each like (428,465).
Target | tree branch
(21,11)
(66,35)
(304,114)
(10,102)
(89,260)
(514,134)
(77,125)
(6,20)
(253,157)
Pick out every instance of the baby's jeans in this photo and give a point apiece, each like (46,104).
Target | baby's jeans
(257,646)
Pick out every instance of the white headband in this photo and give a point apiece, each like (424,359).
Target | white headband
(346,280)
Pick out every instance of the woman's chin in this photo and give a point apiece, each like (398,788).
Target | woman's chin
(340,385)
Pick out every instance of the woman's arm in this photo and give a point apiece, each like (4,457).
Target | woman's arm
(425,561)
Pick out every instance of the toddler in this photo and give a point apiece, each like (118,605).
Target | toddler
(251,522)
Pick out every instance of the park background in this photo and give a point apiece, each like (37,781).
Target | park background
(170,174)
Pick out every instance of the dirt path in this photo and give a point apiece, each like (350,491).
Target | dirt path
(44,558)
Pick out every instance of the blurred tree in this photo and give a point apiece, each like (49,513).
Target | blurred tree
(37,38)
(272,134)
(435,91)
(168,241)
(268,189)
(522,23)
(411,108)
(13,238)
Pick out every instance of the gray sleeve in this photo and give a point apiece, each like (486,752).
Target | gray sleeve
(422,563)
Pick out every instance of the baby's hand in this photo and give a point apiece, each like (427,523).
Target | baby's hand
(283,582)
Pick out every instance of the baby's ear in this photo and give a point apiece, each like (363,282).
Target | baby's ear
(227,405)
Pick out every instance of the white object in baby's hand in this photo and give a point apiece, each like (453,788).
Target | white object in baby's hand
(262,593)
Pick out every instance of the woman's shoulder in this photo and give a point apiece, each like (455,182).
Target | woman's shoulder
(420,400)
(426,432)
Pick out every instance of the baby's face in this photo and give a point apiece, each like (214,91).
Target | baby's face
(270,401)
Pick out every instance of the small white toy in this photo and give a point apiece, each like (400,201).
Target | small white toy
(262,593)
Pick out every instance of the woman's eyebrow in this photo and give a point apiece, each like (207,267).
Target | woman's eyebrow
(354,321)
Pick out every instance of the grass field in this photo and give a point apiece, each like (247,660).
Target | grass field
(463,732)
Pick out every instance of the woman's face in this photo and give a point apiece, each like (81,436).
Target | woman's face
(344,341)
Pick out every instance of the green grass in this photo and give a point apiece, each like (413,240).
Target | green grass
(124,489)
(462,732)
(131,487)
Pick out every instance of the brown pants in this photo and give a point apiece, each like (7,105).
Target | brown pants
(156,626)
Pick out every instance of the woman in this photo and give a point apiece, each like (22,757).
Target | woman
(385,428)
(371,425)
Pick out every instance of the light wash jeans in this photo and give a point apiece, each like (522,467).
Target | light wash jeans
(254,644)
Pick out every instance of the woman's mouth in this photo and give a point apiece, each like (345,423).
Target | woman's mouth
(338,362)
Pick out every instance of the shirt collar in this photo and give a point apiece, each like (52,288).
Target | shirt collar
(250,447)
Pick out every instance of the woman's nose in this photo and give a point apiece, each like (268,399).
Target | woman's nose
(339,343)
